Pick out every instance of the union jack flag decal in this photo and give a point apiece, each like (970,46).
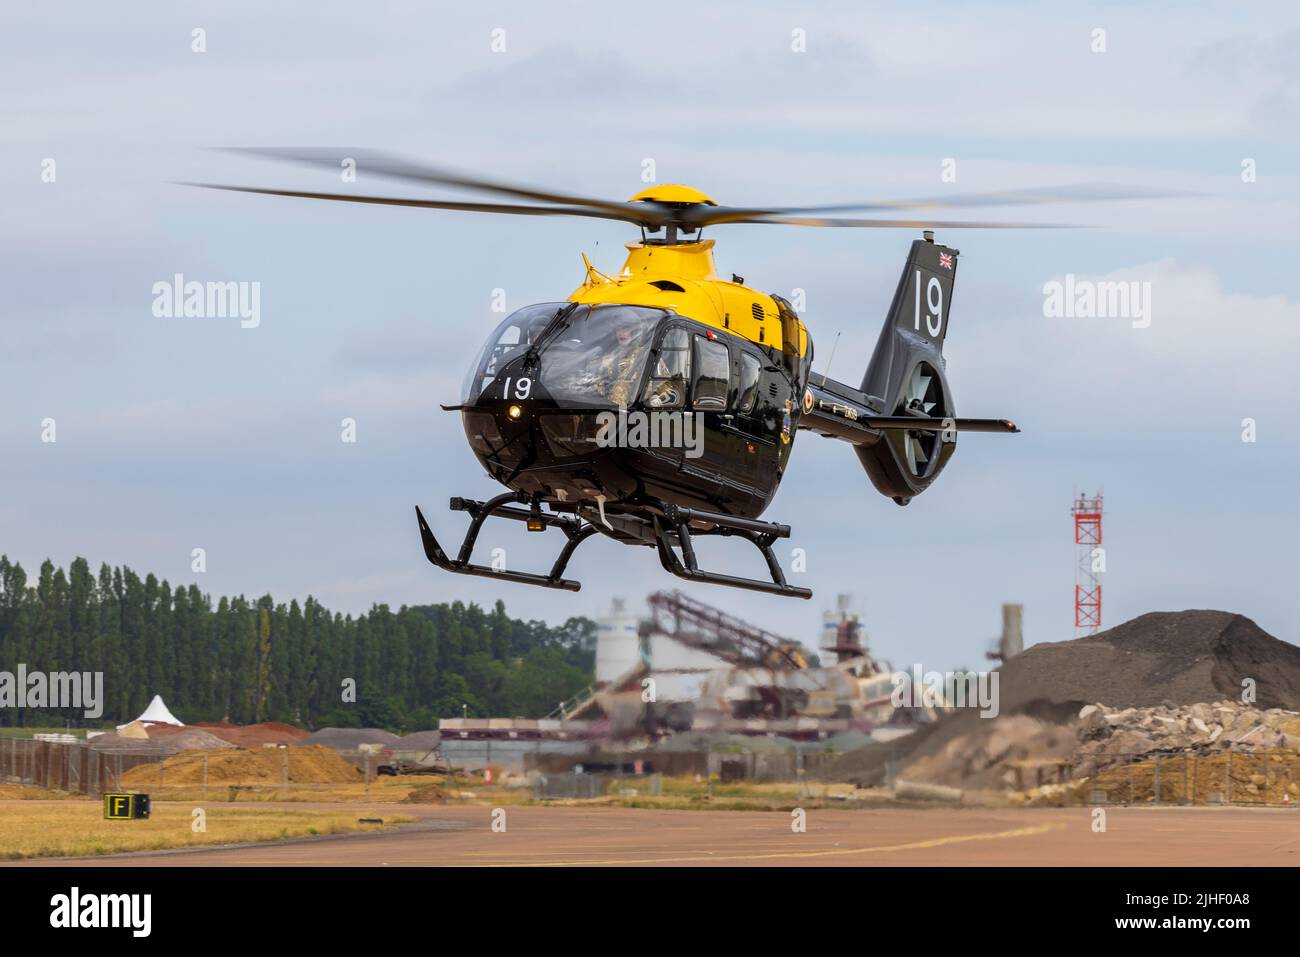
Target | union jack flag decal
(945,260)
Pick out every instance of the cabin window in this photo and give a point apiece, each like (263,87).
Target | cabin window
(749,369)
(666,388)
(712,375)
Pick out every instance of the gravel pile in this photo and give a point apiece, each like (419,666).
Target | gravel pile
(349,739)
(186,739)
(418,741)
(1172,658)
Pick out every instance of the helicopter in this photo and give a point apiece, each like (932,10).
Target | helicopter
(660,404)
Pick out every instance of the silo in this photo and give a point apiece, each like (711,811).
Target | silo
(618,645)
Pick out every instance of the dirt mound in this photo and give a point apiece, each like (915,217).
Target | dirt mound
(985,756)
(173,741)
(429,794)
(870,765)
(309,765)
(193,739)
(255,735)
(113,741)
(1180,657)
(349,739)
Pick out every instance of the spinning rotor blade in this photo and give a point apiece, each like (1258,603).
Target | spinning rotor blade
(1075,193)
(895,223)
(507,208)
(410,171)
(654,214)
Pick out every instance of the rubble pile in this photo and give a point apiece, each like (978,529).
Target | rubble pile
(1116,750)
(1109,736)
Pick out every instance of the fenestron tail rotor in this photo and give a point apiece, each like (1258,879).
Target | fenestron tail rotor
(922,397)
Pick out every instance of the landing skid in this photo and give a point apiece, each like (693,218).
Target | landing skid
(759,534)
(665,532)
(575,530)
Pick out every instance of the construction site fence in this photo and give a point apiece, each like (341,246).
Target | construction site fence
(1205,777)
(726,765)
(74,768)
(77,768)
(1213,777)
(572,785)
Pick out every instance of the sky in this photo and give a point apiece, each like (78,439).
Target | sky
(172,434)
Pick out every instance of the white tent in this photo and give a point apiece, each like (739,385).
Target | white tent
(156,713)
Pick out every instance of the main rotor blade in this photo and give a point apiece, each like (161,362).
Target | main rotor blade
(1072,193)
(410,171)
(894,223)
(507,208)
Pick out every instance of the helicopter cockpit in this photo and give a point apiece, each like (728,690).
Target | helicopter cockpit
(592,355)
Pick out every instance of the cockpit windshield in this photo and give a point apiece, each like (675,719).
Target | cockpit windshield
(594,355)
(598,353)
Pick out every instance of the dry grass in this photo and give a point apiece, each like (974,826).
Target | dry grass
(29,792)
(78,828)
(384,790)
(263,767)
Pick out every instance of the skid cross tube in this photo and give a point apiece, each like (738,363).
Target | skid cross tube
(576,532)
(761,535)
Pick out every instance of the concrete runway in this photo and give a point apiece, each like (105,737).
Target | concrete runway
(604,836)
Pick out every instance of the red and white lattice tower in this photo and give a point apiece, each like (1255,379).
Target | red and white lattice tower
(1089,562)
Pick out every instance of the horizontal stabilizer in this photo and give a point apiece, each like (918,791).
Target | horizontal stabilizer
(923,424)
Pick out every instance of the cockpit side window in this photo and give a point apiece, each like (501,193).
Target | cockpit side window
(509,340)
(749,370)
(666,388)
(712,375)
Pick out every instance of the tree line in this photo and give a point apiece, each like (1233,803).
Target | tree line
(247,661)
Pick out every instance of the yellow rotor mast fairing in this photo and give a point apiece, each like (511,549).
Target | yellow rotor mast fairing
(680,276)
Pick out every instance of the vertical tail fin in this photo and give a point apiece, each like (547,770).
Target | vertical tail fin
(906,373)
(918,318)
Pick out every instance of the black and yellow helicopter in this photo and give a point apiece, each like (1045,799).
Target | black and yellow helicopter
(661,404)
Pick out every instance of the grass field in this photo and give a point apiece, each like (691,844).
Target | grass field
(76,828)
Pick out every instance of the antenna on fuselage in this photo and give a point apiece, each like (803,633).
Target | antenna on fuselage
(831,359)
